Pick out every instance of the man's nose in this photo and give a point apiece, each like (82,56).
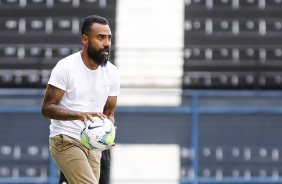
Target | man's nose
(107,43)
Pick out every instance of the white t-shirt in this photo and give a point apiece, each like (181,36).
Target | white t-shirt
(85,90)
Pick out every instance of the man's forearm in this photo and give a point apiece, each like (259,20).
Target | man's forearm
(58,113)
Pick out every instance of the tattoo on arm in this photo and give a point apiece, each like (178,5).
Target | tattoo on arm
(50,108)
(107,105)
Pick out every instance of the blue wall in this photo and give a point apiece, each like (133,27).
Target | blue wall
(232,136)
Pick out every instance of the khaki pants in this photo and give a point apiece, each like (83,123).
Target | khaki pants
(79,164)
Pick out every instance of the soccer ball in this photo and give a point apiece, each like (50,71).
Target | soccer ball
(99,135)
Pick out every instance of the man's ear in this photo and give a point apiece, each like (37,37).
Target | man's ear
(84,39)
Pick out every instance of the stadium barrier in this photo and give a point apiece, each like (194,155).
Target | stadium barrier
(195,109)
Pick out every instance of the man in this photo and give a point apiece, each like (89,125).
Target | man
(81,85)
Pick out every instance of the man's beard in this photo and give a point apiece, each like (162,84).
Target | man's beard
(97,56)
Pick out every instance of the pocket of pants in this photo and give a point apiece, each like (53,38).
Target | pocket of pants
(56,143)
(69,142)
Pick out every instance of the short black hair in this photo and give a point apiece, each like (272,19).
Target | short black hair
(88,21)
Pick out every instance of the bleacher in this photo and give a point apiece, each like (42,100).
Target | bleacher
(20,161)
(236,162)
(36,34)
(232,44)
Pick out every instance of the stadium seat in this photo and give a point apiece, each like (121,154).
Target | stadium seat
(36,3)
(10,3)
(194,3)
(273,3)
(63,3)
(34,26)
(34,52)
(222,26)
(222,4)
(195,26)
(10,25)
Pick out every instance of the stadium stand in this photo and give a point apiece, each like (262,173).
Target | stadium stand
(36,34)
(232,44)
(24,161)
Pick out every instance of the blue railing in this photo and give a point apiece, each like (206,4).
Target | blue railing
(195,110)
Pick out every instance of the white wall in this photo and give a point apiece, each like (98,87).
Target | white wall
(145,164)
(149,44)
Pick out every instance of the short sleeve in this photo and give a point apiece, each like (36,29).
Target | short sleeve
(59,76)
(115,82)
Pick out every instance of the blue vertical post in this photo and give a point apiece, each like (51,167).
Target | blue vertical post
(52,167)
(194,117)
